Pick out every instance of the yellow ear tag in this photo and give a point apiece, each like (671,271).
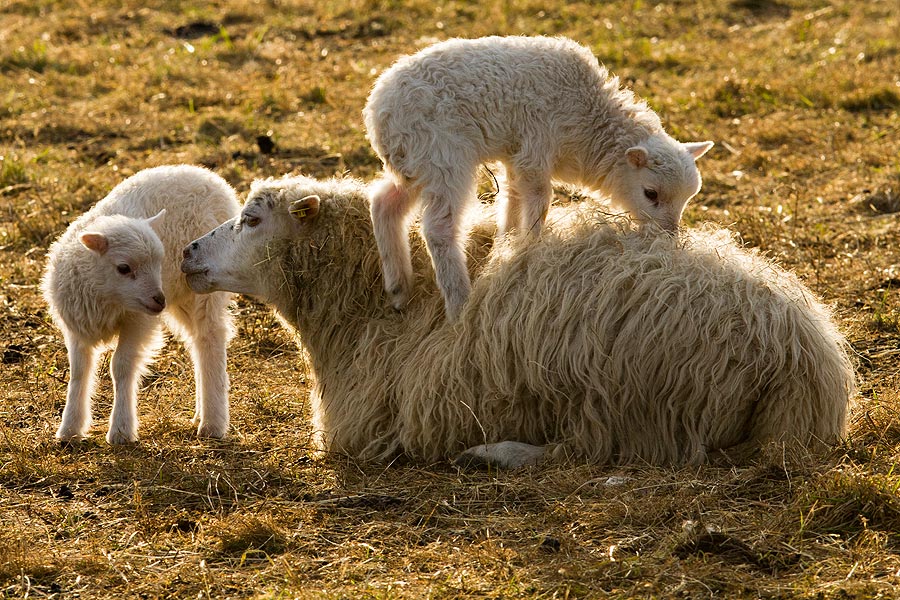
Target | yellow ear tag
(299,212)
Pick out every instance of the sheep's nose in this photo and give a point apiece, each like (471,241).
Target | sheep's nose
(186,253)
(161,300)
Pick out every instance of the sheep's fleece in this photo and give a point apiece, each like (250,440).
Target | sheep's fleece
(607,343)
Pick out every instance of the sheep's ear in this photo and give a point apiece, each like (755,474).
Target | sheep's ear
(637,156)
(155,219)
(306,208)
(698,149)
(94,241)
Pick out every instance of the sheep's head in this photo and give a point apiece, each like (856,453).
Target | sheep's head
(128,256)
(655,179)
(235,256)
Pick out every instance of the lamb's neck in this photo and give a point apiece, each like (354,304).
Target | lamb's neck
(618,122)
(605,149)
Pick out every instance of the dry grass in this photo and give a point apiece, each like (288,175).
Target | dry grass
(802,97)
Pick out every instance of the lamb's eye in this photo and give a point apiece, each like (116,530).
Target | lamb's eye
(651,195)
(123,269)
(250,221)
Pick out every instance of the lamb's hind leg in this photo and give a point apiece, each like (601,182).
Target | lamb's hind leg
(76,417)
(391,207)
(442,227)
(139,339)
(209,328)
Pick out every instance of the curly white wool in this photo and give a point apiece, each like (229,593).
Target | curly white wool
(546,109)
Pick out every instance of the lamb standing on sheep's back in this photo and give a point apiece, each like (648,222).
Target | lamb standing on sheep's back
(546,109)
(616,345)
(115,269)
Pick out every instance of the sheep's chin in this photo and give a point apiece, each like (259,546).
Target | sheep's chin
(200,282)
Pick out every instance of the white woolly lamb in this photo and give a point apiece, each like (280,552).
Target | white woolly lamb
(546,109)
(115,269)
(615,345)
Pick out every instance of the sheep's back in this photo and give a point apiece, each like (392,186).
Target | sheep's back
(628,345)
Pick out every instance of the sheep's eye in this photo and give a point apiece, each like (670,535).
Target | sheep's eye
(250,221)
(123,269)
(651,195)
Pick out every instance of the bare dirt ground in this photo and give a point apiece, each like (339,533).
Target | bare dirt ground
(802,99)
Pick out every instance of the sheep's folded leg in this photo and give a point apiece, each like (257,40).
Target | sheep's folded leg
(502,455)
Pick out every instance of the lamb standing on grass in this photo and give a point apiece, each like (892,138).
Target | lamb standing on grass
(618,346)
(542,106)
(115,269)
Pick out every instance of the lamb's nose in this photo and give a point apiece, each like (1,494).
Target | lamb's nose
(160,299)
(186,253)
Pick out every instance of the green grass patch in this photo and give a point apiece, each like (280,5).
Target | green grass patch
(736,99)
(32,57)
(12,172)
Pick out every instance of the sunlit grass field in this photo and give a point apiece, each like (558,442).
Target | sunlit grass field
(802,98)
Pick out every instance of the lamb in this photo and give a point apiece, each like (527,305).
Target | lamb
(114,270)
(546,109)
(601,342)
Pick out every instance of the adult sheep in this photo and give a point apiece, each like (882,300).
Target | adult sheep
(115,269)
(616,345)
(544,107)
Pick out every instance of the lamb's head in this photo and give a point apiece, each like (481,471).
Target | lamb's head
(127,261)
(655,179)
(236,256)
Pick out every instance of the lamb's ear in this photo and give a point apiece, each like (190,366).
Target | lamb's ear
(155,219)
(305,208)
(637,156)
(94,241)
(698,149)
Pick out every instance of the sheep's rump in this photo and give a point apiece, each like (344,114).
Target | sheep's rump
(617,345)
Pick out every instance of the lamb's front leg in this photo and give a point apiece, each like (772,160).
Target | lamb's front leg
(139,338)
(445,237)
(211,330)
(76,417)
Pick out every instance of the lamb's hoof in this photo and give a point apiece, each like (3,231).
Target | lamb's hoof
(70,437)
(454,303)
(452,314)
(399,300)
(208,430)
(502,455)
(398,293)
(121,437)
